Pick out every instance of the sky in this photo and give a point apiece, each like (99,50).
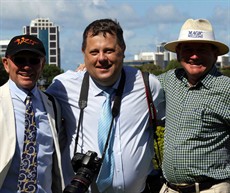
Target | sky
(146,23)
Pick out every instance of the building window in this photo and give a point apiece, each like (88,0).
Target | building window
(26,30)
(52,52)
(33,30)
(52,44)
(52,30)
(52,59)
(52,37)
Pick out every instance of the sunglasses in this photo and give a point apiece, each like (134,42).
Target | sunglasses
(23,60)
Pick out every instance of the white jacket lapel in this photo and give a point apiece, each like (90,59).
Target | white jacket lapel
(7,131)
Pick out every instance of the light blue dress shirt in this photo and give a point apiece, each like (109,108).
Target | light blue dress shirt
(133,145)
(44,141)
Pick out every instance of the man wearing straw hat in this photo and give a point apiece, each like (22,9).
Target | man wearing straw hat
(197,135)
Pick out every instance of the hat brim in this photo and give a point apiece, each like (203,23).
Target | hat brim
(223,49)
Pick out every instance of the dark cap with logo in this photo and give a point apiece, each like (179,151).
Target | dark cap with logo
(25,43)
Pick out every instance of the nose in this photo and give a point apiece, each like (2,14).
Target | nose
(26,63)
(194,56)
(26,66)
(102,56)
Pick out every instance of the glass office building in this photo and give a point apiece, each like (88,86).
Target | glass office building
(48,33)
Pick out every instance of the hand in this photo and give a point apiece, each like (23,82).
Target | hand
(81,67)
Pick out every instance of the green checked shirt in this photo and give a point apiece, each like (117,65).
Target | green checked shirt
(197,134)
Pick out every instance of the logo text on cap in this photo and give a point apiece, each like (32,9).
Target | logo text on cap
(26,41)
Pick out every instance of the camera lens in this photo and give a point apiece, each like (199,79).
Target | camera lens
(80,182)
(85,166)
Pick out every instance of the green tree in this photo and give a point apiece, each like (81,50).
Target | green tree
(49,72)
(151,68)
(225,71)
(172,65)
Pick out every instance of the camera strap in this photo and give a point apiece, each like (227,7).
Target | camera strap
(83,104)
(152,117)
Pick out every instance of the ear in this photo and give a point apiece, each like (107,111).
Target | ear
(5,63)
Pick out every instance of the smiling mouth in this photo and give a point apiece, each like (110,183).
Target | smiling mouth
(194,63)
(27,75)
(104,66)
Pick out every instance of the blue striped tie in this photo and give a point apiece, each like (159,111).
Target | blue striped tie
(105,176)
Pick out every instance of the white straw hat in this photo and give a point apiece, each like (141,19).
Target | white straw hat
(199,30)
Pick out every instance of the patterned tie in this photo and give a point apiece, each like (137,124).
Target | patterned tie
(105,176)
(27,181)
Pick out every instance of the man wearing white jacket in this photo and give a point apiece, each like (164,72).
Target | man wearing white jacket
(24,62)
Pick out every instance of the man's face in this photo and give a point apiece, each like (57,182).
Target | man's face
(103,58)
(197,59)
(24,68)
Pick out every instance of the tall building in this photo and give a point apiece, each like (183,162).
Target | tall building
(160,47)
(3,46)
(48,33)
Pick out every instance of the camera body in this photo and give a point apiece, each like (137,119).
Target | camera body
(85,166)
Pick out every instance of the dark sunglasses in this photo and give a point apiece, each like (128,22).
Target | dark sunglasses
(23,60)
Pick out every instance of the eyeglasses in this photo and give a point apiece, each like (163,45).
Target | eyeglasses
(23,60)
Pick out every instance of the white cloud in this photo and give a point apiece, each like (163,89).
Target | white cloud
(166,13)
(145,23)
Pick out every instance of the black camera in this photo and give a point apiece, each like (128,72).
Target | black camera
(85,166)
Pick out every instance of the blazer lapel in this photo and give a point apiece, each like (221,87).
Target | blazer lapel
(7,131)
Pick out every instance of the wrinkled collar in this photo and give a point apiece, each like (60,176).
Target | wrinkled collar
(20,92)
(97,89)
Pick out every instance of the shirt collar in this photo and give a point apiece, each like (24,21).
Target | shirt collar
(97,89)
(210,78)
(20,92)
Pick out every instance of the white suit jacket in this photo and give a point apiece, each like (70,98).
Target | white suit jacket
(8,137)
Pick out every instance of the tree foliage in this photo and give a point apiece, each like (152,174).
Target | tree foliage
(159,146)
(151,68)
(172,65)
(225,71)
(49,72)
(156,70)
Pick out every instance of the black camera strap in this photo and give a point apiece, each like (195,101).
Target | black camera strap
(83,103)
